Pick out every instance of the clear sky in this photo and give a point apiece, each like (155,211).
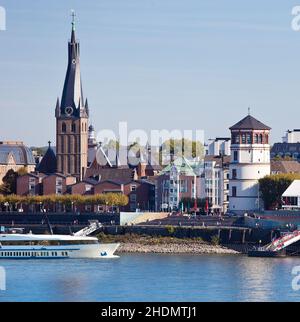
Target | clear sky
(157,64)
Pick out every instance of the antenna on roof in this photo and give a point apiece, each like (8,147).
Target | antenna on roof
(249,111)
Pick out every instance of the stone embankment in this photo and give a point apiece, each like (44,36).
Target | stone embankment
(174,248)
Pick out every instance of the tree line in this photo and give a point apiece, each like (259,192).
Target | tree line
(110,200)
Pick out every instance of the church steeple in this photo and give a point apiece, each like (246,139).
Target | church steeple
(72,117)
(72,102)
(73,38)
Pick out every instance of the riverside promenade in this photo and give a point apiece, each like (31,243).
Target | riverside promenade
(228,232)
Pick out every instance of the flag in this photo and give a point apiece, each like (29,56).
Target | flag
(206,205)
(195,205)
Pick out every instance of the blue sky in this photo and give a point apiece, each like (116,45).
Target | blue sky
(157,64)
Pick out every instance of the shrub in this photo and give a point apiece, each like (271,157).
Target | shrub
(215,240)
(170,230)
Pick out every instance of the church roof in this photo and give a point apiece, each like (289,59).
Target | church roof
(250,123)
(21,154)
(72,96)
(48,163)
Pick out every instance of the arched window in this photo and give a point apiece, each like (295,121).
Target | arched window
(73,127)
(64,128)
(235,138)
(260,139)
(267,139)
(243,138)
(256,138)
(249,138)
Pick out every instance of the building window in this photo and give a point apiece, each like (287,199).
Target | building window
(256,139)
(133,198)
(233,191)
(235,156)
(243,138)
(59,186)
(183,186)
(73,127)
(260,139)
(64,128)
(234,174)
(235,139)
(249,139)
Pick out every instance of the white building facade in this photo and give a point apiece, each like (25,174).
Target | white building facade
(292,136)
(216,173)
(250,161)
(219,146)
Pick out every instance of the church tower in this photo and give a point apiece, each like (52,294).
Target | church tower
(72,115)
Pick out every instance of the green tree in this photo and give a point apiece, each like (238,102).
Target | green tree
(9,185)
(273,186)
(184,147)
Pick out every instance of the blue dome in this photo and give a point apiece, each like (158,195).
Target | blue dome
(21,154)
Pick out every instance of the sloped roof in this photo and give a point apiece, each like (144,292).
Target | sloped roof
(48,163)
(118,175)
(293,190)
(283,166)
(250,123)
(285,148)
(182,166)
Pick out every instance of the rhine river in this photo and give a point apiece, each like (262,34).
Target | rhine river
(152,278)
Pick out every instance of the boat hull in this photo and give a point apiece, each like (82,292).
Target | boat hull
(96,251)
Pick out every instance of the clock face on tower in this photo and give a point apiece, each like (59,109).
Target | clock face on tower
(69,110)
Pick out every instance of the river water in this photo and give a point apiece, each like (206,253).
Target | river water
(152,278)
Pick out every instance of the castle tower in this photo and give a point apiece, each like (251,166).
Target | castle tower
(250,161)
(72,118)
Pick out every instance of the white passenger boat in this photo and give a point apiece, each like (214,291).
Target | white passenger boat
(31,246)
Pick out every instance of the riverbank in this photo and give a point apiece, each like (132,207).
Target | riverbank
(165,245)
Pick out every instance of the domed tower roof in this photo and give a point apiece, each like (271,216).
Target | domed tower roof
(21,153)
(250,123)
(48,163)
